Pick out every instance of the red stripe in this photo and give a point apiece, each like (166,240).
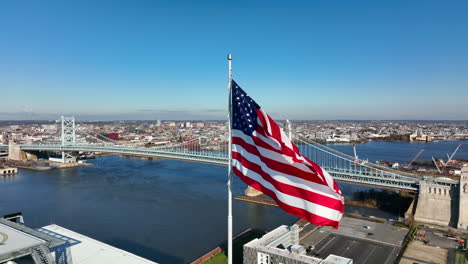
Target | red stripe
(299,212)
(288,189)
(285,150)
(260,143)
(319,170)
(278,166)
(261,118)
(276,134)
(275,130)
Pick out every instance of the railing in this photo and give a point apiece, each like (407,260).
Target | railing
(341,166)
(187,154)
(342,169)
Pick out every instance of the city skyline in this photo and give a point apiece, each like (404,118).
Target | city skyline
(165,60)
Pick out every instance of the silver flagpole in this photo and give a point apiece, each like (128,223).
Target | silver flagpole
(229,57)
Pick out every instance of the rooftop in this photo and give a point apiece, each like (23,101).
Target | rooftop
(86,250)
(18,240)
(362,241)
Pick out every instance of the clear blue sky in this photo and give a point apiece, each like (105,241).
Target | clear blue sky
(297,59)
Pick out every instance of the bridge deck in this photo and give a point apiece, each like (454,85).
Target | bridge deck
(354,174)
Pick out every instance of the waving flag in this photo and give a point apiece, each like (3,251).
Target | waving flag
(266,159)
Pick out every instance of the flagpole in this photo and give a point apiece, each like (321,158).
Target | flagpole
(229,57)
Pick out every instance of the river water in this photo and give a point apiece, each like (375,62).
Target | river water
(165,210)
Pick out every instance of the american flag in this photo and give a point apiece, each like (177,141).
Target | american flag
(266,159)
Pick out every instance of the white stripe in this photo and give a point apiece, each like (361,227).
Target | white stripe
(329,179)
(268,140)
(289,144)
(267,121)
(287,178)
(313,208)
(275,155)
(286,140)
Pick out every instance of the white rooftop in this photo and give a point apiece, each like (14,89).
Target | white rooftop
(13,240)
(90,251)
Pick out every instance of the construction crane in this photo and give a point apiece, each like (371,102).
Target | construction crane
(453,154)
(435,163)
(415,157)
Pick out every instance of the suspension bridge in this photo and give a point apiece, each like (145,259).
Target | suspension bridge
(440,200)
(342,167)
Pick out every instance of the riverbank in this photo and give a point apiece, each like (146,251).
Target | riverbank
(28,165)
(389,201)
(395,139)
(43,165)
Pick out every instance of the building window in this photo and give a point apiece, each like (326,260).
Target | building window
(263,258)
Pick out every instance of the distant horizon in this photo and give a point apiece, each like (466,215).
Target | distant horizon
(211,114)
(223,120)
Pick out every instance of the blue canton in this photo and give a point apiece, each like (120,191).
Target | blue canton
(244,115)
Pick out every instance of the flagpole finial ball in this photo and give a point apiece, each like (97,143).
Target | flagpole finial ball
(229,56)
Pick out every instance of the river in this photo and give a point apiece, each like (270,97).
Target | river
(168,211)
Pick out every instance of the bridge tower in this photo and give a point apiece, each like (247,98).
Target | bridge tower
(287,127)
(463,200)
(68,138)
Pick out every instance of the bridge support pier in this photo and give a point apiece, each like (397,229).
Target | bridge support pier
(68,157)
(444,205)
(434,204)
(15,153)
(251,192)
(463,200)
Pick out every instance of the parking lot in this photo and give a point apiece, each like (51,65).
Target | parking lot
(361,240)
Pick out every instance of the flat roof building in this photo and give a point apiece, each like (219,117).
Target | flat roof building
(355,241)
(55,244)
(282,246)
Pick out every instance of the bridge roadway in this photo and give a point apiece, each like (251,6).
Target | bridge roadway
(371,177)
